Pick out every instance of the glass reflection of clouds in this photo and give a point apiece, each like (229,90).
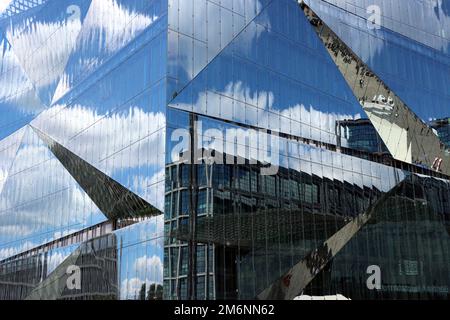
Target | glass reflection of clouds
(135,158)
(57,256)
(193,42)
(40,201)
(18,100)
(141,258)
(8,150)
(110,25)
(120,108)
(37,32)
(296,91)
(110,114)
(4,5)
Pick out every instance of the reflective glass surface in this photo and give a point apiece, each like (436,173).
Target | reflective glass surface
(219,149)
(275,76)
(409,49)
(234,232)
(140,260)
(89,79)
(37,187)
(250,229)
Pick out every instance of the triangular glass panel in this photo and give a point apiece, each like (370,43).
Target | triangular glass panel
(199,30)
(293,282)
(19,102)
(44,40)
(113,199)
(41,201)
(408,138)
(412,58)
(415,220)
(275,75)
(8,151)
(109,27)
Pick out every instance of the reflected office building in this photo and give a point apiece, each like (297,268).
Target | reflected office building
(224,149)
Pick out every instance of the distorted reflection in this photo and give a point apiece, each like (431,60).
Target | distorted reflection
(141,260)
(297,91)
(37,187)
(193,42)
(109,26)
(253,228)
(407,137)
(37,32)
(417,71)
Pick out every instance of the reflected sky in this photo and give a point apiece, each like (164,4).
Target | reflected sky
(4,5)
(272,76)
(141,256)
(110,25)
(56,22)
(87,33)
(295,155)
(56,256)
(40,200)
(426,22)
(115,119)
(188,27)
(8,151)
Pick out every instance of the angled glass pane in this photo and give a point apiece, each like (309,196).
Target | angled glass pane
(40,201)
(109,27)
(199,30)
(56,22)
(409,47)
(275,76)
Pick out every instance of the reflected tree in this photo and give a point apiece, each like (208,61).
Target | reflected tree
(155,292)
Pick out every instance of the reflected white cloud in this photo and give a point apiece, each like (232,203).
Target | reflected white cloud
(151,267)
(4,5)
(150,187)
(11,251)
(129,140)
(16,89)
(50,203)
(262,102)
(55,258)
(130,288)
(114,24)
(108,27)
(110,133)
(3,175)
(8,150)
(47,61)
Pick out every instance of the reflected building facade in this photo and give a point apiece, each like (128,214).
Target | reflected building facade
(229,149)
(362,135)
(442,127)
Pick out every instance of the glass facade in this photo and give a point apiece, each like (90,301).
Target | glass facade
(442,127)
(85,176)
(224,149)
